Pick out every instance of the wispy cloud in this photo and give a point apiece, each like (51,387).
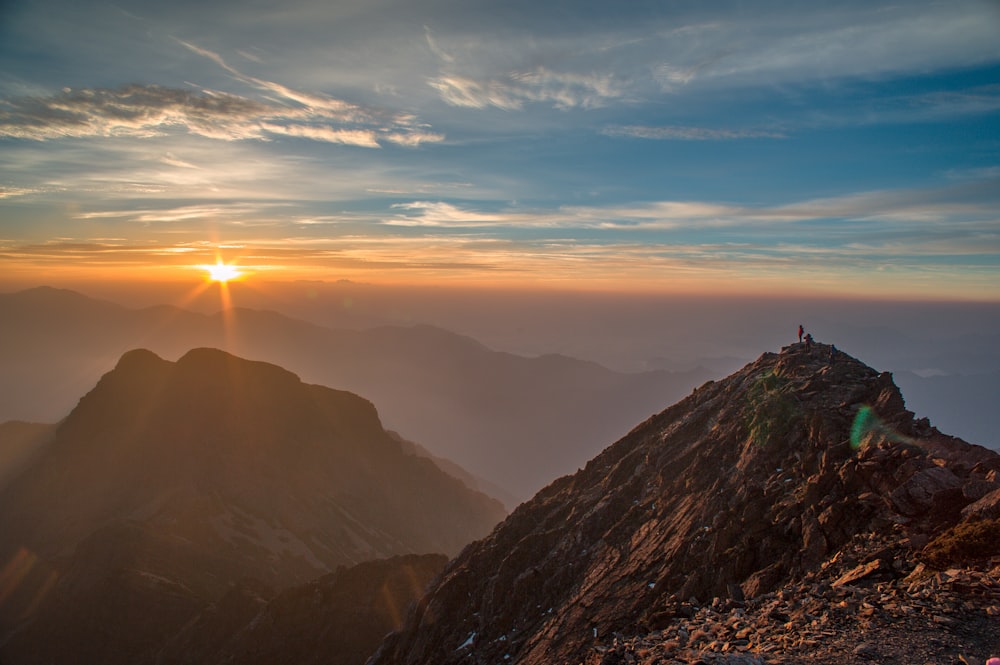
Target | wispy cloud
(11,192)
(232,211)
(133,110)
(470,78)
(968,203)
(975,100)
(678,133)
(675,244)
(647,57)
(846,42)
(562,90)
(146,111)
(150,111)
(442,214)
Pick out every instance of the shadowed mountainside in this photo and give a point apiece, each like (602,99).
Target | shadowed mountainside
(790,471)
(169,482)
(339,619)
(515,421)
(20,442)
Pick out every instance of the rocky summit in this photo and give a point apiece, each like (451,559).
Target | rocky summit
(793,512)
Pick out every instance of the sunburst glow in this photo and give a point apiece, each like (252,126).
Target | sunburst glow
(221,272)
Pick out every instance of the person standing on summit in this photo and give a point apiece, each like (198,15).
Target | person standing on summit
(801,330)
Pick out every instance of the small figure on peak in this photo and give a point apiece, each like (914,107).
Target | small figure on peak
(801,330)
(809,341)
(833,352)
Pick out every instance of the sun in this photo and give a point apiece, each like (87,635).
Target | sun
(221,272)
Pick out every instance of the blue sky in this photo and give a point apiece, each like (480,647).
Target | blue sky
(778,147)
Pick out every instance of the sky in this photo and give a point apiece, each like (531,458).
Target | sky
(835,148)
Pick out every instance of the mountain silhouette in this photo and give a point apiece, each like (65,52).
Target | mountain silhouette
(171,481)
(792,505)
(514,421)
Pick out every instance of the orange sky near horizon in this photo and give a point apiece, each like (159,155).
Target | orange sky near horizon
(177,272)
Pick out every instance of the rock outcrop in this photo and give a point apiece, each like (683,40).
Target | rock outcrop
(795,493)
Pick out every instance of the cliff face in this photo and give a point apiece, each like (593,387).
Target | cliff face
(746,486)
(169,482)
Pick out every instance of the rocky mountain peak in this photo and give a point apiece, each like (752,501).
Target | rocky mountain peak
(748,484)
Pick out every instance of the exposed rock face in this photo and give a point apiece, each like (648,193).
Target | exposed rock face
(749,485)
(172,481)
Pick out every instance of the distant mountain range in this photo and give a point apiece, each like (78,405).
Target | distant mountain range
(516,422)
(171,482)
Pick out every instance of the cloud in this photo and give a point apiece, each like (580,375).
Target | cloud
(837,42)
(170,160)
(677,133)
(640,56)
(133,110)
(966,207)
(244,213)
(971,101)
(148,111)
(11,192)
(700,243)
(435,48)
(441,214)
(562,90)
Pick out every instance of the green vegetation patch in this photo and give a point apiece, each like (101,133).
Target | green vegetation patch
(964,543)
(773,409)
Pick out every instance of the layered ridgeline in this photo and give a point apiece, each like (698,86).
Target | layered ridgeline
(516,422)
(787,513)
(171,481)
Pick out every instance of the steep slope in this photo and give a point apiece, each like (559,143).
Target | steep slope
(799,463)
(517,422)
(339,619)
(170,481)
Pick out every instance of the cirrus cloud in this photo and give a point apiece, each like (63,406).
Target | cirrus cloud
(676,133)
(146,111)
(564,90)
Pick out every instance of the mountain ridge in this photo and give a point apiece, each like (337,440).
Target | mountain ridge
(749,484)
(171,481)
(512,420)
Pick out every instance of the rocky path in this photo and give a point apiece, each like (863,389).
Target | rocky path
(872,603)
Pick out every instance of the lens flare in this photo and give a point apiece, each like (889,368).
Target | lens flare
(867,424)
